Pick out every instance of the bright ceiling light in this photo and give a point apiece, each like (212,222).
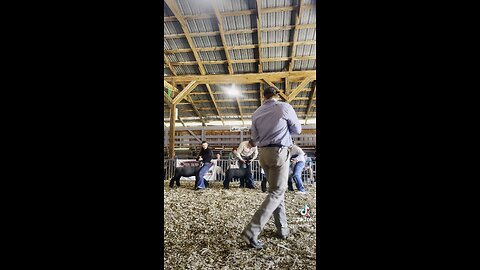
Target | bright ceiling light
(232,91)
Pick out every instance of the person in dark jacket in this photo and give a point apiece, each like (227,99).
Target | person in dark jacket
(205,156)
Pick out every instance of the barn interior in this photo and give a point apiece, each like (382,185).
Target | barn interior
(219,55)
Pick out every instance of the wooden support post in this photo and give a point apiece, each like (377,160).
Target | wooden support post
(173,116)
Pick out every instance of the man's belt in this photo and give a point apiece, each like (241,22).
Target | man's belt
(273,145)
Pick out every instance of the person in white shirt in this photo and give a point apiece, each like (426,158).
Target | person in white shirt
(298,160)
(246,152)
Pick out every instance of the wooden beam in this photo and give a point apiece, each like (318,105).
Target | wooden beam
(247,78)
(309,107)
(259,35)
(299,88)
(185,92)
(214,103)
(218,62)
(236,13)
(290,8)
(287,86)
(167,98)
(195,109)
(173,7)
(173,116)
(240,109)
(261,94)
(243,31)
(282,95)
(189,131)
(250,46)
(297,20)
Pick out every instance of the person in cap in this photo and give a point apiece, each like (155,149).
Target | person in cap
(273,123)
(205,156)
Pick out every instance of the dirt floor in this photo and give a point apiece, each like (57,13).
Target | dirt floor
(202,229)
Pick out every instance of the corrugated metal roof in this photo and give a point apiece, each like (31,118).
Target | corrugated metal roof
(216,69)
(166,10)
(278,3)
(241,39)
(239,22)
(181,57)
(236,5)
(309,2)
(273,19)
(245,68)
(274,52)
(172,27)
(308,16)
(166,71)
(242,54)
(209,41)
(249,101)
(184,70)
(306,34)
(188,7)
(305,64)
(199,88)
(305,50)
(275,66)
(175,43)
(202,25)
(277,36)
(212,56)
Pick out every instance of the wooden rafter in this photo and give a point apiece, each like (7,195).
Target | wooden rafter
(261,94)
(219,62)
(287,86)
(309,107)
(259,35)
(237,13)
(189,131)
(240,109)
(173,116)
(224,42)
(251,46)
(185,91)
(243,31)
(173,7)
(299,88)
(247,78)
(214,103)
(295,30)
(167,98)
(195,109)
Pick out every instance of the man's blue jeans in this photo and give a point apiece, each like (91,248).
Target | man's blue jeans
(200,180)
(297,176)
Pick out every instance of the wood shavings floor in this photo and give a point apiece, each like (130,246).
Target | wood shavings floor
(201,229)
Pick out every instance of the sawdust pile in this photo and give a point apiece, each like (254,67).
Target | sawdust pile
(201,229)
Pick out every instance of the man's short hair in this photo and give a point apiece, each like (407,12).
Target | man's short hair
(270,92)
(204,142)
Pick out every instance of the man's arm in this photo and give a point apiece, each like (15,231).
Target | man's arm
(253,131)
(294,125)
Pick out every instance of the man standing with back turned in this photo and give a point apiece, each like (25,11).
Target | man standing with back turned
(272,126)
